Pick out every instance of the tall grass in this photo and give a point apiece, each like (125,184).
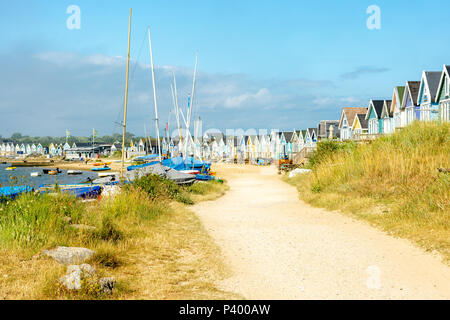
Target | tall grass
(396,177)
(35,221)
(123,225)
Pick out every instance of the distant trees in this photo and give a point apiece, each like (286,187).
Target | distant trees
(45,141)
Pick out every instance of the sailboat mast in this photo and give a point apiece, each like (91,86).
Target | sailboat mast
(177,107)
(154,95)
(191,105)
(193,91)
(126,100)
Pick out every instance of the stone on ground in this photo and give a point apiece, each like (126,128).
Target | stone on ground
(69,255)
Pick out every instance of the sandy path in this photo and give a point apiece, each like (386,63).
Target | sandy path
(281,248)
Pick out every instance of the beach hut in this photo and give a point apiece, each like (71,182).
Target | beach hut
(443,95)
(410,107)
(66,147)
(346,119)
(386,117)
(40,149)
(397,98)
(287,138)
(360,126)
(264,146)
(313,134)
(428,107)
(308,141)
(373,116)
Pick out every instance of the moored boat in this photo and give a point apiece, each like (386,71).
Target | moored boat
(10,193)
(74,172)
(98,164)
(10,168)
(78,190)
(107,174)
(35,174)
(101,169)
(47,171)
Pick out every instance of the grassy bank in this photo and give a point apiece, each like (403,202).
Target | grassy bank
(393,183)
(146,237)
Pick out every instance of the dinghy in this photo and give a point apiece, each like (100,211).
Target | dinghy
(74,172)
(10,168)
(107,174)
(101,169)
(78,190)
(10,193)
(47,171)
(35,174)
(98,164)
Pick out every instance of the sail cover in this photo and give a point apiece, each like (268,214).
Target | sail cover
(163,171)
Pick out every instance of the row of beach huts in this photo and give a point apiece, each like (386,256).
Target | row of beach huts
(424,100)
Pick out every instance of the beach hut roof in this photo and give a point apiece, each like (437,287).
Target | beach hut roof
(377,105)
(399,91)
(362,120)
(350,113)
(312,131)
(412,87)
(288,135)
(386,108)
(445,73)
(430,79)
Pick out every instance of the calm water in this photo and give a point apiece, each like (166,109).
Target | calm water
(24,178)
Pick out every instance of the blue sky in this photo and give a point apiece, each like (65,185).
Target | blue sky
(263,64)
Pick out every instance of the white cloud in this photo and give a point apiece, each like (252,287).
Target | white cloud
(79,92)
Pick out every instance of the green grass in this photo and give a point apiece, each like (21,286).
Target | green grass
(392,182)
(140,216)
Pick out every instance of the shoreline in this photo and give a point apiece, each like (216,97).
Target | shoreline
(66,165)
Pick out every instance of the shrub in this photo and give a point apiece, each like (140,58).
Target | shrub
(157,187)
(327,148)
(108,231)
(106,258)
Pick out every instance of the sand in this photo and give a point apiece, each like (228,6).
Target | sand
(278,247)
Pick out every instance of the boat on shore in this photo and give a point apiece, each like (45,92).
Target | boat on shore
(108,174)
(74,172)
(78,190)
(47,171)
(101,169)
(98,164)
(11,193)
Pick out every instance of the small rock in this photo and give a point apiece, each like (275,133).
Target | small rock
(107,284)
(83,227)
(69,255)
(87,269)
(75,273)
(72,280)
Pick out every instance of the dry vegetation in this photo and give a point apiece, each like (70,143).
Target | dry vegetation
(153,245)
(393,183)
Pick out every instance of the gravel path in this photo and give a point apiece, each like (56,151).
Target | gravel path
(278,247)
